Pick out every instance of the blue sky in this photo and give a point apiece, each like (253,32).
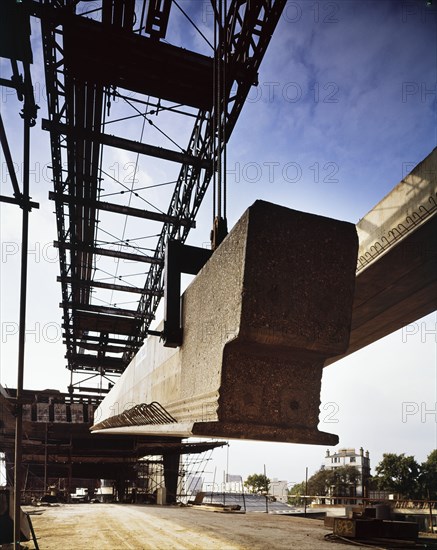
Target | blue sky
(345,107)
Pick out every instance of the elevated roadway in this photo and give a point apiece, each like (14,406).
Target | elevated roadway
(396,281)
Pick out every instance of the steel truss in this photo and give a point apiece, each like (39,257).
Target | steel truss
(93,59)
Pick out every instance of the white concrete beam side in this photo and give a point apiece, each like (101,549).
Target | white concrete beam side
(396,280)
(408,205)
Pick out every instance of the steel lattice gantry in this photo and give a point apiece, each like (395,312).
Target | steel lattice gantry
(110,65)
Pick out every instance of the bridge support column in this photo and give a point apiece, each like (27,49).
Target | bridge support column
(171,475)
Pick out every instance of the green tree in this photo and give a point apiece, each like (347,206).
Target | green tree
(337,481)
(295,494)
(399,474)
(345,480)
(428,477)
(319,483)
(257,483)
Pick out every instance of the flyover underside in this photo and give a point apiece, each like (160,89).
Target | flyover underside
(396,281)
(398,289)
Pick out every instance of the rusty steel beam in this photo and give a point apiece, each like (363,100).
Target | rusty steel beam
(126,144)
(106,348)
(19,202)
(102,54)
(119,209)
(100,309)
(9,161)
(107,286)
(89,389)
(86,360)
(90,338)
(107,252)
(98,322)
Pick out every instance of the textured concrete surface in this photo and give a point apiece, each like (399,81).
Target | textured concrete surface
(396,280)
(408,205)
(271,304)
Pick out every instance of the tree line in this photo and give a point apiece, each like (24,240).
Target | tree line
(396,473)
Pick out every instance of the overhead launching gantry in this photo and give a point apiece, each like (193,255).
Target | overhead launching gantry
(106,54)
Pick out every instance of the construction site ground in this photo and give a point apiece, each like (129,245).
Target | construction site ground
(119,526)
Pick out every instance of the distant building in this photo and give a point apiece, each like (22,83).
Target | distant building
(348,457)
(279,490)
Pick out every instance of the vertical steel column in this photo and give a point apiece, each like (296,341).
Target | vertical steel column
(70,470)
(45,458)
(171,475)
(306,489)
(22,333)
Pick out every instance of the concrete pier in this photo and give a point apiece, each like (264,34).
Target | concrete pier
(268,308)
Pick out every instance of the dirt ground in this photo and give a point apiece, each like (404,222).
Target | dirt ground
(119,526)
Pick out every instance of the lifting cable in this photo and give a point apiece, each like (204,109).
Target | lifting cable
(219,124)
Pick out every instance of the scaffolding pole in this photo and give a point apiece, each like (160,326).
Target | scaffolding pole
(22,333)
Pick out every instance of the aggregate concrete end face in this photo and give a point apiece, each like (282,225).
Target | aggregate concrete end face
(295,308)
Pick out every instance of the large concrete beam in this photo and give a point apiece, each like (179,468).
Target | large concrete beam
(408,206)
(397,259)
(259,320)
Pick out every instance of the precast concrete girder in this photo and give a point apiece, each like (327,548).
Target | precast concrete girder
(396,281)
(259,321)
